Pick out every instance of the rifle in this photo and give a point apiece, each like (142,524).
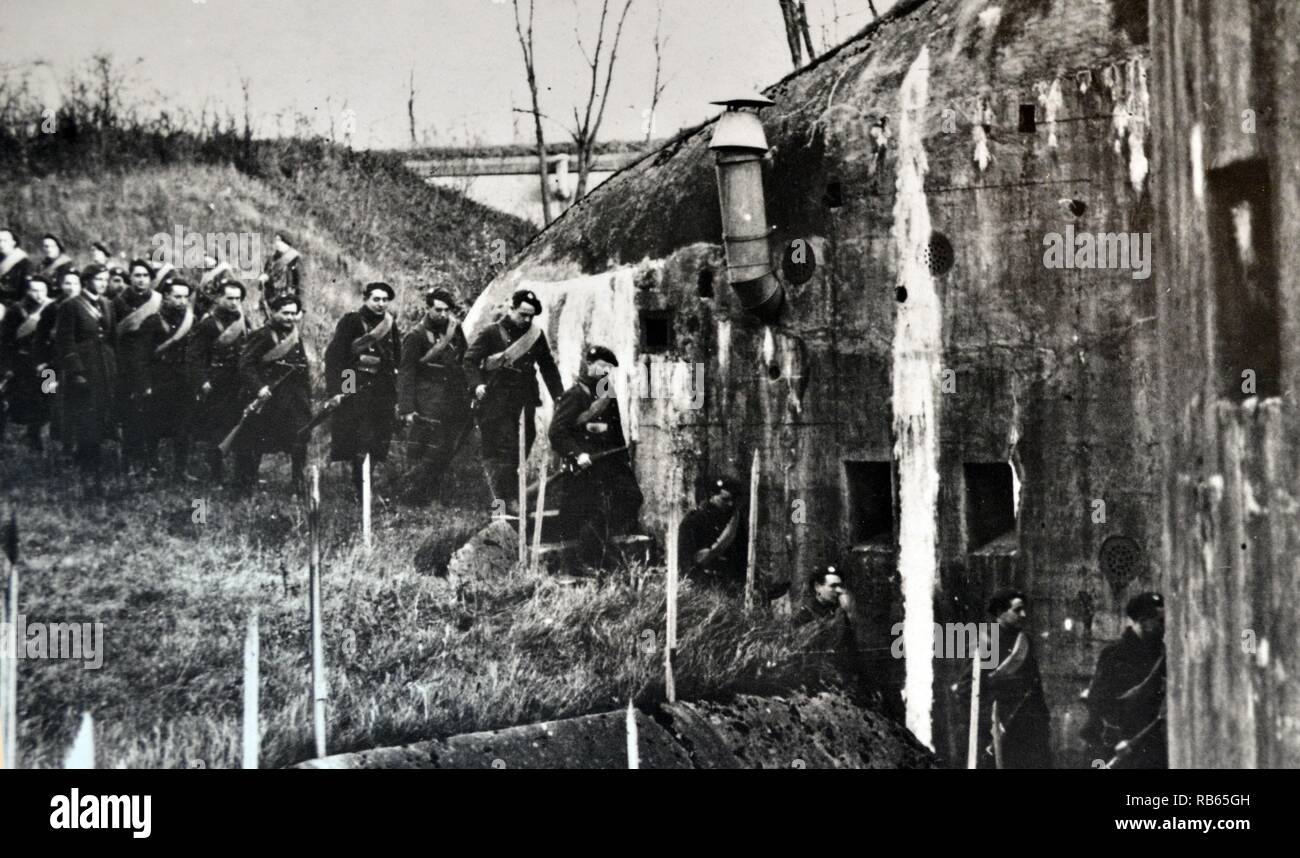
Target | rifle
(570,463)
(321,416)
(249,410)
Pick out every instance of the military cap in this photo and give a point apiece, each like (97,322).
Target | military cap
(601,353)
(1143,606)
(101,247)
(91,271)
(1002,600)
(177,281)
(379,286)
(722,484)
(281,300)
(54,238)
(39,278)
(285,236)
(526,296)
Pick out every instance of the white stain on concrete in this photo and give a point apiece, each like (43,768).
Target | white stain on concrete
(918,342)
(1049,96)
(1130,116)
(1195,152)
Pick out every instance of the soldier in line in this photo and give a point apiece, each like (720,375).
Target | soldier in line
(54,263)
(87,373)
(361,379)
(432,398)
(274,371)
(117,281)
(24,354)
(99,254)
(282,275)
(501,365)
(713,537)
(131,309)
(1015,735)
(601,496)
(214,354)
(1126,721)
(160,363)
(15,267)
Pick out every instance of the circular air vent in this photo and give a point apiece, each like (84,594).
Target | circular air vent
(1120,559)
(938,255)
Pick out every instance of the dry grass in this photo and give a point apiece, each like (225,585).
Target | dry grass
(409,655)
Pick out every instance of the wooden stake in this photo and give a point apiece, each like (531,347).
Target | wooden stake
(82,753)
(751,554)
(633,742)
(972,751)
(319,692)
(10,714)
(252,732)
(670,632)
(365,501)
(523,490)
(540,513)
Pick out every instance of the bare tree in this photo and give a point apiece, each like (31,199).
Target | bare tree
(657,88)
(586,127)
(530,69)
(796,30)
(410,109)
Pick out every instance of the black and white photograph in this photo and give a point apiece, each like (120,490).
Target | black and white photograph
(649,384)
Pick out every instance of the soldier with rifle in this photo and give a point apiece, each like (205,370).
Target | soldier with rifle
(601,497)
(214,354)
(275,380)
(361,380)
(501,364)
(1126,722)
(431,395)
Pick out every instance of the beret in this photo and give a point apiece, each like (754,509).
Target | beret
(438,293)
(1143,606)
(379,286)
(526,296)
(601,353)
(281,300)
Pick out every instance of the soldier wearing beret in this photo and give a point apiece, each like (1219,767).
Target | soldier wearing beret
(274,371)
(361,379)
(601,497)
(713,537)
(1126,722)
(214,355)
(131,309)
(87,368)
(25,349)
(432,398)
(160,362)
(501,365)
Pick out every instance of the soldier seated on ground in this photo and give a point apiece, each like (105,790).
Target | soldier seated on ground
(1126,722)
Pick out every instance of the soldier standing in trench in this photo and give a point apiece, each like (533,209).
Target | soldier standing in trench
(712,538)
(501,364)
(601,496)
(1126,722)
(1015,733)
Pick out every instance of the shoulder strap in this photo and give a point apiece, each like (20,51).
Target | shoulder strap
(282,348)
(231,332)
(133,320)
(374,335)
(29,324)
(16,256)
(179,334)
(438,345)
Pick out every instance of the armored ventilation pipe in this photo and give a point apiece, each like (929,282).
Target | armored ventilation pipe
(739,145)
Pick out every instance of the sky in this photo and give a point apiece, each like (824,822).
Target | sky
(323,58)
